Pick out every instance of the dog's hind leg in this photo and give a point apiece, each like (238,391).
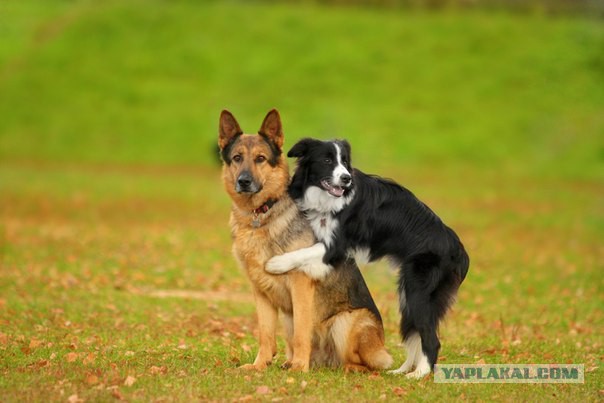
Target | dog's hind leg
(413,345)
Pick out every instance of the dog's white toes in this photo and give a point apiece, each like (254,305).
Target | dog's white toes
(279,264)
(406,367)
(417,374)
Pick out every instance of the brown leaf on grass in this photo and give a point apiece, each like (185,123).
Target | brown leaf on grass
(246,398)
(398,391)
(43,363)
(263,390)
(74,399)
(89,359)
(158,370)
(92,379)
(303,384)
(129,380)
(3,338)
(481,361)
(117,394)
(374,375)
(71,357)
(34,343)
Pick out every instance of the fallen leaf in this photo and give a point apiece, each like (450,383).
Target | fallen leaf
(129,380)
(74,399)
(71,357)
(117,394)
(43,363)
(158,370)
(263,390)
(92,379)
(90,359)
(397,390)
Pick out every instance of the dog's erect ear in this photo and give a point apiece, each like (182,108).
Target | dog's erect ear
(272,128)
(228,129)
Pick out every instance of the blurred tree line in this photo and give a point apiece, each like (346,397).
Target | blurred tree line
(592,8)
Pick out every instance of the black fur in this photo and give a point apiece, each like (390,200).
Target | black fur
(275,151)
(389,220)
(225,153)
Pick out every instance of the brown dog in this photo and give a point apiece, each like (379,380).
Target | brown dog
(330,322)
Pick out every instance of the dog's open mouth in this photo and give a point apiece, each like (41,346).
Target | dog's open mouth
(336,191)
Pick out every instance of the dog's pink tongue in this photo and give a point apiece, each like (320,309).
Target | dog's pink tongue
(336,191)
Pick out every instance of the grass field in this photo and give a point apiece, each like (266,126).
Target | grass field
(116,277)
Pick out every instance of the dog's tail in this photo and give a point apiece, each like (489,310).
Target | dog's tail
(377,359)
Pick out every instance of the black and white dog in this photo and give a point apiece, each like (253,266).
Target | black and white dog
(368,217)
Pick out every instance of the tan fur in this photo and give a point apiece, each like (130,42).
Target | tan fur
(333,338)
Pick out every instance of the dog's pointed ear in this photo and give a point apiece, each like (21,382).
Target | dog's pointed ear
(301,148)
(228,129)
(272,128)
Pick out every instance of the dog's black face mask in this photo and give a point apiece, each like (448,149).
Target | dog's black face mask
(324,164)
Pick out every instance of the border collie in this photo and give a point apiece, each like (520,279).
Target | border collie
(355,214)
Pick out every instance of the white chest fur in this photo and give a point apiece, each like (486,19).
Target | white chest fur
(323,225)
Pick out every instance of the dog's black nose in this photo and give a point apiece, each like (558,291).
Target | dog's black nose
(244,180)
(346,179)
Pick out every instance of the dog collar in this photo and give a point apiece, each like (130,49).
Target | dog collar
(262,210)
(265,207)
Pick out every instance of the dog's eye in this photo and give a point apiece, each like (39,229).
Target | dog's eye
(237,158)
(327,160)
(260,158)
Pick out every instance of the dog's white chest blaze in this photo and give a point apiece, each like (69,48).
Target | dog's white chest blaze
(323,225)
(319,207)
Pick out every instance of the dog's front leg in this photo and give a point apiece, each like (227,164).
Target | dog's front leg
(309,260)
(267,324)
(302,292)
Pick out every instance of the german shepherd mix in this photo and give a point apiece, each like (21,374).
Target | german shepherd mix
(332,322)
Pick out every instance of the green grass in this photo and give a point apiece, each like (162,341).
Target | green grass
(116,276)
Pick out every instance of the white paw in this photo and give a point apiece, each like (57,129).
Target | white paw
(316,271)
(419,373)
(406,367)
(280,264)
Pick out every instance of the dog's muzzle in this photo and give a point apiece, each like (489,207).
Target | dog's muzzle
(246,184)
